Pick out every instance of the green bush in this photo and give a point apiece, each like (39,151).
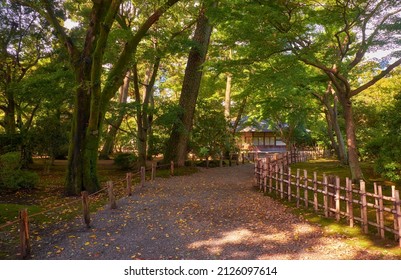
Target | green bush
(12,176)
(125,161)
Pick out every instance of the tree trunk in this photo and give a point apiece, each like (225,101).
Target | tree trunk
(9,115)
(177,145)
(75,172)
(227,100)
(333,119)
(330,133)
(108,146)
(353,158)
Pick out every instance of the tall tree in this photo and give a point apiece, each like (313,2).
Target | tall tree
(337,44)
(177,144)
(25,40)
(92,97)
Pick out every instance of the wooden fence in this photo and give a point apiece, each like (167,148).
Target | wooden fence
(374,207)
(23,220)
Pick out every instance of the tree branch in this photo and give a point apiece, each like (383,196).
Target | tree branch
(377,78)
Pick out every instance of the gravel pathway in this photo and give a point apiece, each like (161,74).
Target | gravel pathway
(213,214)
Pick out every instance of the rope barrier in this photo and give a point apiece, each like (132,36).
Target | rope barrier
(7,224)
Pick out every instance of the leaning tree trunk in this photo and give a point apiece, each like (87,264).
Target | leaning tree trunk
(333,122)
(353,158)
(113,128)
(177,144)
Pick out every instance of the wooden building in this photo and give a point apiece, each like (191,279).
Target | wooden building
(258,137)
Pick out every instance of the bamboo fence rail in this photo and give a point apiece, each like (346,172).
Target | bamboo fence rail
(372,210)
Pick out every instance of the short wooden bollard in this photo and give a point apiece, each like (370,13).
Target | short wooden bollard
(172,168)
(85,208)
(143,170)
(24,234)
(112,198)
(129,184)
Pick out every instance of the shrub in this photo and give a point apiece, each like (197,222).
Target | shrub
(125,161)
(12,176)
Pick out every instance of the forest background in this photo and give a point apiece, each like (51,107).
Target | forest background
(133,80)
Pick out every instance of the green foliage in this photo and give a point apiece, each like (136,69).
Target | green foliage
(12,176)
(125,161)
(50,137)
(211,135)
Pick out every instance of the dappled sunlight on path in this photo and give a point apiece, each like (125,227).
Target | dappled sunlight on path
(213,214)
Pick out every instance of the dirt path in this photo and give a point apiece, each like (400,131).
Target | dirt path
(213,214)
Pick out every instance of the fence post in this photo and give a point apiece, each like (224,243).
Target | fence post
(396,225)
(350,202)
(276,170)
(364,206)
(269,173)
(297,186)
(129,184)
(24,234)
(112,198)
(85,208)
(331,189)
(172,168)
(326,196)
(381,212)
(306,188)
(315,200)
(264,175)
(255,172)
(398,213)
(338,201)
(281,181)
(143,170)
(289,184)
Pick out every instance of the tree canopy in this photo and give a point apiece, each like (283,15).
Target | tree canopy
(168,78)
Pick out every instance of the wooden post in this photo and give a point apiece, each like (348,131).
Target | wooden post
(315,200)
(281,181)
(221,159)
(297,187)
(364,206)
(331,188)
(143,174)
(172,168)
(377,207)
(243,157)
(396,225)
(85,208)
(381,212)
(326,196)
(276,176)
(24,234)
(269,173)
(153,176)
(129,184)
(264,176)
(350,202)
(289,184)
(398,213)
(338,201)
(112,198)
(306,188)
(255,173)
